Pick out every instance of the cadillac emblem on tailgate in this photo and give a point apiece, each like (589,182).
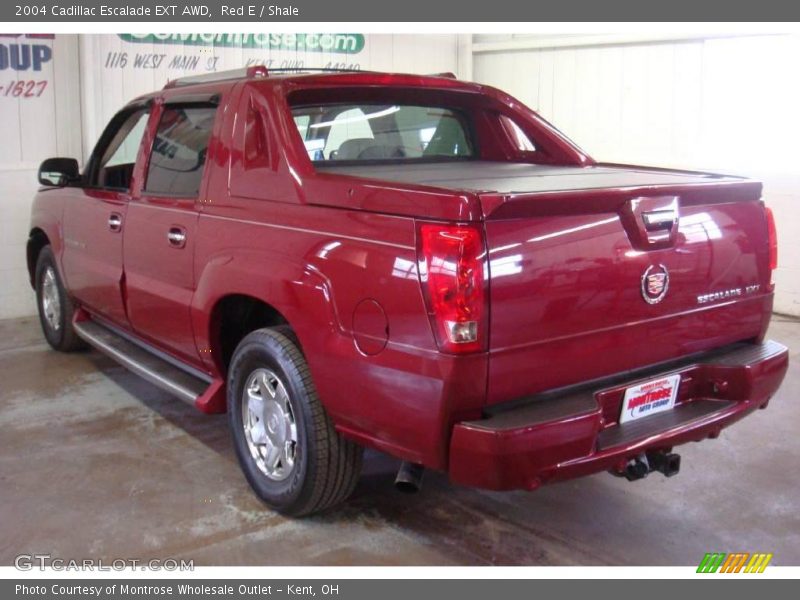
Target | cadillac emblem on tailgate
(655,283)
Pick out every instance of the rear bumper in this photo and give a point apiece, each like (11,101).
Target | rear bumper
(552,437)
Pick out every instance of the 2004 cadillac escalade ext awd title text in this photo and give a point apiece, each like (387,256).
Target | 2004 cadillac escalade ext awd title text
(414,264)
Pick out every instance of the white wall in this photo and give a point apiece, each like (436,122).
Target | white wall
(85,88)
(33,127)
(729,104)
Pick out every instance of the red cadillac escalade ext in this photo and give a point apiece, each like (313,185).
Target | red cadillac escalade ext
(409,263)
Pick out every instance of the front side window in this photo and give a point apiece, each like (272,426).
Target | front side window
(114,169)
(179,150)
(375,132)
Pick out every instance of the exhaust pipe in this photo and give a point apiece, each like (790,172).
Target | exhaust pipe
(409,478)
(667,463)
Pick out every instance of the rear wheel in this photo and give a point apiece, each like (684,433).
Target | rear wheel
(56,309)
(286,444)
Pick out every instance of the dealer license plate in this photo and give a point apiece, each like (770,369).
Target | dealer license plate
(649,398)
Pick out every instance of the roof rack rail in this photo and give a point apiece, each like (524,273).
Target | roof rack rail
(258,71)
(244,73)
(316,70)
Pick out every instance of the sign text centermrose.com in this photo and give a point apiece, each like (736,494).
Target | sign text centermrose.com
(345,43)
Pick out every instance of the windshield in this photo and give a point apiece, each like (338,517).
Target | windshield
(382,132)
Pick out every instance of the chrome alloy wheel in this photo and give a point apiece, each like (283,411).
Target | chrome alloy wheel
(269,424)
(51,300)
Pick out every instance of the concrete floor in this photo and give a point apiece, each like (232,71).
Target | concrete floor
(95,462)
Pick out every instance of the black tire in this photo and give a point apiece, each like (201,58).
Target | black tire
(61,336)
(326,466)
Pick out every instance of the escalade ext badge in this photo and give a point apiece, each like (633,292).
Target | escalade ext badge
(655,283)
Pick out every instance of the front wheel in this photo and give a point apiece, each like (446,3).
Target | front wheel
(286,444)
(55,306)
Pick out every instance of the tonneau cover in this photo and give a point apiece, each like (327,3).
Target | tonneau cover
(511,178)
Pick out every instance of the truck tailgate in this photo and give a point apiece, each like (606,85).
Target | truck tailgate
(587,281)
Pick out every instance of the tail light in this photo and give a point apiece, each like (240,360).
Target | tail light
(451,267)
(773,240)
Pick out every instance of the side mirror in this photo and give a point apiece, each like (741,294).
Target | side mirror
(59,172)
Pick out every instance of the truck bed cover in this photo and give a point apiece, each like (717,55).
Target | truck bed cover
(511,178)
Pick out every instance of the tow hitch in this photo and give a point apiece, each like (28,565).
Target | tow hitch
(666,463)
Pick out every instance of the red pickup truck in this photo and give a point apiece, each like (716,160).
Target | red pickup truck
(409,263)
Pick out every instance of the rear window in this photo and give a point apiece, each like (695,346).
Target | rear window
(179,151)
(383,132)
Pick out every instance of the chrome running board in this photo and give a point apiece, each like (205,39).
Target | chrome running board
(148,365)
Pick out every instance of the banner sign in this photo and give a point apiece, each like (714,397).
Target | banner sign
(25,65)
(343,43)
(171,55)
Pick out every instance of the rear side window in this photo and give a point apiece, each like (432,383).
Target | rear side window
(375,132)
(179,150)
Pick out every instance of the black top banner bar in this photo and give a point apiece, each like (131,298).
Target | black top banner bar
(258,11)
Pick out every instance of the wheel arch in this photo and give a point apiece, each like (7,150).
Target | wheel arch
(232,317)
(37,239)
(286,293)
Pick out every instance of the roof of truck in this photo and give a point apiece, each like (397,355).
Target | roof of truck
(312,77)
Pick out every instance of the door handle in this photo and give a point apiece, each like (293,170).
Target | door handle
(176,236)
(115,222)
